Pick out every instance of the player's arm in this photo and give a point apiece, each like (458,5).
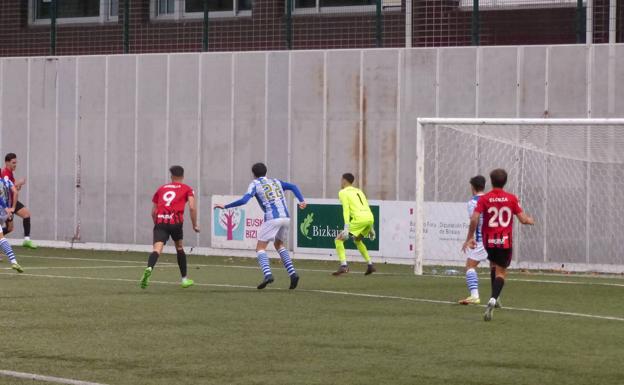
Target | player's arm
(250,193)
(522,216)
(525,219)
(19,183)
(193,209)
(154,212)
(472,228)
(15,193)
(295,189)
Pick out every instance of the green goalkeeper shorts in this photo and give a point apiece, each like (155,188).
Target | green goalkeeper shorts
(361,228)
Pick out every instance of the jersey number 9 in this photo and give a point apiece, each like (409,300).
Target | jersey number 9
(168,197)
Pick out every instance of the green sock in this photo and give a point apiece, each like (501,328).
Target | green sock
(340,249)
(363,250)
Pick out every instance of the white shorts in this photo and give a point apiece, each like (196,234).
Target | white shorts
(274,229)
(478,253)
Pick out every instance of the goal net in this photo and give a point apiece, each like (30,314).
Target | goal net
(567,173)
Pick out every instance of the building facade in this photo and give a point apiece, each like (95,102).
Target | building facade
(98,26)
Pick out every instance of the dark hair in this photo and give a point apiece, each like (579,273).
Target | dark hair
(498,178)
(348,177)
(9,157)
(177,171)
(259,170)
(478,182)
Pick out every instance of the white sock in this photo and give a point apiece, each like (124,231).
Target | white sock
(474,293)
(27,238)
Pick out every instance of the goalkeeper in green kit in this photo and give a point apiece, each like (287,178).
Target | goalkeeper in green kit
(358,222)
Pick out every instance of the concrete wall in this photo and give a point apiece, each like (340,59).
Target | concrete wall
(117,122)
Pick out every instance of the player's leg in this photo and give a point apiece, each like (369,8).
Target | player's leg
(500,258)
(472,282)
(267,234)
(359,231)
(161,235)
(23,212)
(8,251)
(280,239)
(342,256)
(178,236)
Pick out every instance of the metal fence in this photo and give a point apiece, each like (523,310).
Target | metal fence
(69,27)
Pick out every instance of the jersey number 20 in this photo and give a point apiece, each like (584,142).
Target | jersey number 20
(499,217)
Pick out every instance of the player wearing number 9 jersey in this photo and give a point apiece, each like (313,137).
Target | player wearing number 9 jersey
(498,208)
(270,196)
(168,214)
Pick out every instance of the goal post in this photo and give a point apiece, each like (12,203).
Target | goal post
(567,173)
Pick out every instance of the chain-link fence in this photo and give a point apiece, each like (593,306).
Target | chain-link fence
(64,27)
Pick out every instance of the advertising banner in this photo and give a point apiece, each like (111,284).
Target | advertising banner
(235,228)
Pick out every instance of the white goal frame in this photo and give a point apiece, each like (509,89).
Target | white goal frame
(420,159)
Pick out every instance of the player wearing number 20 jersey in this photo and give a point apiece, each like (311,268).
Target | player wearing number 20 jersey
(168,214)
(498,208)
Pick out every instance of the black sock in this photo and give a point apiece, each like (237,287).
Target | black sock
(182,262)
(26,223)
(492,276)
(151,261)
(497,287)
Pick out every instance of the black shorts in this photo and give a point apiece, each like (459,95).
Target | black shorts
(500,257)
(162,232)
(19,206)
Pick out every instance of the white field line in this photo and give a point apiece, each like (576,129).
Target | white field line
(332,292)
(37,377)
(460,276)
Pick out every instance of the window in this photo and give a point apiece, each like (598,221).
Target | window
(194,9)
(74,11)
(493,5)
(329,6)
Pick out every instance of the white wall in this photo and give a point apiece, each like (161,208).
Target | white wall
(119,121)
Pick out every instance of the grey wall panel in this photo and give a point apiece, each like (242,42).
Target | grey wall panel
(249,116)
(216,130)
(183,125)
(600,81)
(498,83)
(307,121)
(458,74)
(418,90)
(567,82)
(277,114)
(66,149)
(91,139)
(42,181)
(379,128)
(343,117)
(120,147)
(533,81)
(618,81)
(15,120)
(151,148)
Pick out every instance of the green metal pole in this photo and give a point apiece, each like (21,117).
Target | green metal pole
(580,22)
(476,36)
(205,38)
(53,10)
(379,25)
(126,27)
(289,24)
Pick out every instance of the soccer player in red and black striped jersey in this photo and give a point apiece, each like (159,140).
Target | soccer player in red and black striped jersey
(10,164)
(168,213)
(498,208)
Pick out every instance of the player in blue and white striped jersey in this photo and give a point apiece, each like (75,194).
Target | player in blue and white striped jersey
(478,254)
(8,200)
(270,196)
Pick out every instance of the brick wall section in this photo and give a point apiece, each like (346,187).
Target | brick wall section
(435,23)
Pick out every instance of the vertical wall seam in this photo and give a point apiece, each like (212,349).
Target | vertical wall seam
(266,107)
(289,152)
(400,59)
(200,95)
(232,117)
(167,114)
(56,149)
(106,107)
(136,147)
(519,78)
(325,128)
(28,123)
(361,125)
(76,148)
(477,79)
(546,83)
